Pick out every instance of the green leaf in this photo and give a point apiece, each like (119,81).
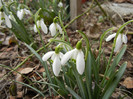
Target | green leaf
(38,91)
(116,61)
(88,75)
(60,83)
(73,93)
(115,81)
(79,81)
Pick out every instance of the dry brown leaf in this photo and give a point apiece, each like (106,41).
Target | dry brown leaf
(19,94)
(26,70)
(19,77)
(41,70)
(128,83)
(129,64)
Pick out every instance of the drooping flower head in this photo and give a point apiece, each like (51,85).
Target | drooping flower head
(22,12)
(54,28)
(56,58)
(78,55)
(122,38)
(4,17)
(42,25)
(60,4)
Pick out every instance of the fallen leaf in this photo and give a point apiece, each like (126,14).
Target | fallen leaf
(129,64)
(26,70)
(20,94)
(128,83)
(41,70)
(20,78)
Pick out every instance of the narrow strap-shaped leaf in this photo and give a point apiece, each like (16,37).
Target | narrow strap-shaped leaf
(73,93)
(116,61)
(38,91)
(61,85)
(114,83)
(88,75)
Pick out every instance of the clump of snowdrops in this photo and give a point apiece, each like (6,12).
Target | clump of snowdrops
(76,71)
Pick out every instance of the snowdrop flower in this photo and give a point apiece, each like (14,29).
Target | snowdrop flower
(54,28)
(56,57)
(11,17)
(5,18)
(22,12)
(122,38)
(60,4)
(78,55)
(42,25)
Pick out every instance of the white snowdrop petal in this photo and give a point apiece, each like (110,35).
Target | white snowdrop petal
(56,65)
(27,11)
(35,29)
(59,28)
(53,56)
(124,38)
(38,23)
(60,4)
(66,57)
(47,55)
(110,37)
(80,62)
(61,55)
(74,56)
(43,26)
(52,29)
(7,21)
(20,14)
(1,18)
(118,43)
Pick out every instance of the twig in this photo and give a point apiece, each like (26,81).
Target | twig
(104,12)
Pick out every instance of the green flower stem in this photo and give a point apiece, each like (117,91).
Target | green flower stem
(102,37)
(61,41)
(63,27)
(87,43)
(119,31)
(91,6)
(36,16)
